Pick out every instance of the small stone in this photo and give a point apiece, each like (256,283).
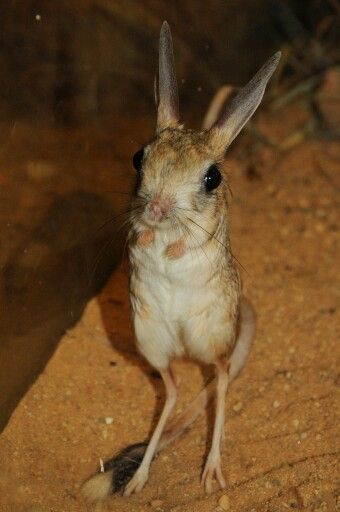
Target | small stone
(320,227)
(303,435)
(304,203)
(288,375)
(272,189)
(108,420)
(238,406)
(156,503)
(224,502)
(276,404)
(184,478)
(320,213)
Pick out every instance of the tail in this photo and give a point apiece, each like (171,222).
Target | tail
(222,97)
(120,469)
(115,474)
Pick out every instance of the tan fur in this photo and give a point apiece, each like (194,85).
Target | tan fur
(145,237)
(189,302)
(97,487)
(175,250)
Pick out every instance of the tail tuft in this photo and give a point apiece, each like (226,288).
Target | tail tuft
(98,487)
(117,473)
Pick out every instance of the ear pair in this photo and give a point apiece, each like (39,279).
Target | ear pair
(233,117)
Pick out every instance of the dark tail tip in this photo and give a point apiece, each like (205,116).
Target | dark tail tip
(125,464)
(117,473)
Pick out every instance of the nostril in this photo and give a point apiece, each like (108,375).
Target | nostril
(155,210)
(158,209)
(155,207)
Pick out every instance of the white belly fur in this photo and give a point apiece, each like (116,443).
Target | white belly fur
(181,307)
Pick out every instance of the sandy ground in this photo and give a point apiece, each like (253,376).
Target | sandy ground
(96,395)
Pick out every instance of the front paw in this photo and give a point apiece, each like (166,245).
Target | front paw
(137,482)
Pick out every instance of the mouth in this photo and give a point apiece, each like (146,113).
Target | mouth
(159,209)
(150,221)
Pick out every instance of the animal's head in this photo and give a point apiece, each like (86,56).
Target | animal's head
(179,170)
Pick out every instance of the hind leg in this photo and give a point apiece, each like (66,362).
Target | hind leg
(140,478)
(212,467)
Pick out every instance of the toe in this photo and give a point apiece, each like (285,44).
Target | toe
(208,484)
(207,479)
(128,490)
(210,472)
(220,478)
(136,484)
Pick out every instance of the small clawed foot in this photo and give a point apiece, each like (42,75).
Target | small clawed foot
(136,483)
(212,470)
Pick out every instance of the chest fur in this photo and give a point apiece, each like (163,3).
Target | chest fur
(177,282)
(184,305)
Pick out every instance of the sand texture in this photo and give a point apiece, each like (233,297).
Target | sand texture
(96,395)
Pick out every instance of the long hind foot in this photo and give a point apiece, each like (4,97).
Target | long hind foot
(212,470)
(137,482)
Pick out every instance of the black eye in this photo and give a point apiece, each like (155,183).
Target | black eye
(137,159)
(212,179)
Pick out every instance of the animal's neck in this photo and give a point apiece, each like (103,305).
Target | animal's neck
(195,243)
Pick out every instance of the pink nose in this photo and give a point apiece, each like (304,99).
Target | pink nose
(159,208)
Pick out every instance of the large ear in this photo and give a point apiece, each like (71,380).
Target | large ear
(166,93)
(243,106)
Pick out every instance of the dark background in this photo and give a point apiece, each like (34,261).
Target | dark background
(77,60)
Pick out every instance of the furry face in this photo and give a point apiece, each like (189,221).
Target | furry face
(177,173)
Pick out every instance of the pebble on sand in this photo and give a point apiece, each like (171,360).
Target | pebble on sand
(238,406)
(224,503)
(156,503)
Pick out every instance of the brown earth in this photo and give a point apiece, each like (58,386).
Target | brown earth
(96,395)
